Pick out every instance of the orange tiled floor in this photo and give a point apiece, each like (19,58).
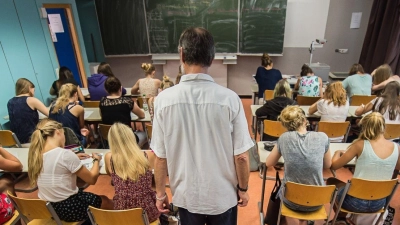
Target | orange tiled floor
(248,215)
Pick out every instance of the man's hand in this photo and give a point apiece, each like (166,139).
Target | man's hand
(161,205)
(244,198)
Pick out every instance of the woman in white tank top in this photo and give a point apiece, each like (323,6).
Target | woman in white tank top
(149,85)
(377,158)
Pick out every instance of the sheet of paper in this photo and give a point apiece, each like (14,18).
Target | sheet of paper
(355,20)
(89,162)
(56,23)
(53,35)
(87,114)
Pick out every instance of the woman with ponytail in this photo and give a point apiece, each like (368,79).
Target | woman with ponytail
(266,76)
(130,172)
(149,85)
(55,170)
(67,111)
(377,158)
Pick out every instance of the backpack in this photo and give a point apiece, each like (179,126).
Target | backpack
(254,157)
(72,141)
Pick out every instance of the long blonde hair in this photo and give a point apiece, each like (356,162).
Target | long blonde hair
(22,86)
(372,126)
(66,92)
(336,94)
(45,128)
(282,88)
(129,160)
(292,118)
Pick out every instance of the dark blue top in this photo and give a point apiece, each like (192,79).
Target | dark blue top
(67,119)
(96,87)
(267,79)
(23,119)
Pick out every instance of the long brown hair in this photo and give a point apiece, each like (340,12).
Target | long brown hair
(336,94)
(66,92)
(22,86)
(382,73)
(390,100)
(45,128)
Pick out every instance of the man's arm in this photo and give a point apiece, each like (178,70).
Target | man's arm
(243,173)
(160,176)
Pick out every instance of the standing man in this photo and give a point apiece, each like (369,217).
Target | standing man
(200,136)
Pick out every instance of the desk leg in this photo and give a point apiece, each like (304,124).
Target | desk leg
(255,129)
(261,203)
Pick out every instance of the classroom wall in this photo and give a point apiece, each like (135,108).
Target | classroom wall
(337,33)
(26,49)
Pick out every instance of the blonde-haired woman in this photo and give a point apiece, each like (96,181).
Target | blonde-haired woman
(69,113)
(166,83)
(333,107)
(149,85)
(55,170)
(273,108)
(130,172)
(376,160)
(382,76)
(304,152)
(23,110)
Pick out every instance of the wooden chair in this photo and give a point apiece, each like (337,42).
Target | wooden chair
(103,133)
(392,131)
(140,102)
(268,95)
(334,129)
(91,104)
(307,100)
(9,139)
(357,100)
(308,195)
(37,211)
(149,130)
(135,216)
(273,128)
(368,190)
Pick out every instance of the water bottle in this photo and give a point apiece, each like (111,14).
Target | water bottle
(145,106)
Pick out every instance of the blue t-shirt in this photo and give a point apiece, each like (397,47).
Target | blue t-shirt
(267,79)
(358,84)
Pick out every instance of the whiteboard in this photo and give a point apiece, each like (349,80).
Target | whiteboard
(305,22)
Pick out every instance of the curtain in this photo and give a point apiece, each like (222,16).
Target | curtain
(382,40)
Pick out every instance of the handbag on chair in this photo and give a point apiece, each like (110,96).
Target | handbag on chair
(271,216)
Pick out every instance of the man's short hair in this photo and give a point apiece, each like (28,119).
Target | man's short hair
(198,47)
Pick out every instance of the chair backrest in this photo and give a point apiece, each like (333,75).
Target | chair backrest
(149,130)
(273,128)
(334,129)
(140,102)
(9,139)
(91,104)
(357,100)
(371,190)
(135,216)
(31,208)
(309,195)
(392,131)
(268,95)
(306,100)
(103,131)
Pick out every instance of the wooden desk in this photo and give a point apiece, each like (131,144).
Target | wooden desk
(264,154)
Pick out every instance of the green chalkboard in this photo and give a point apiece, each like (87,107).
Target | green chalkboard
(154,26)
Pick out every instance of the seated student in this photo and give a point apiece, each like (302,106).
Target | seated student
(388,104)
(273,108)
(166,83)
(376,160)
(55,170)
(65,76)
(308,84)
(266,76)
(23,110)
(117,108)
(333,107)
(69,113)
(306,153)
(382,76)
(178,78)
(96,82)
(10,163)
(358,82)
(147,86)
(130,172)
